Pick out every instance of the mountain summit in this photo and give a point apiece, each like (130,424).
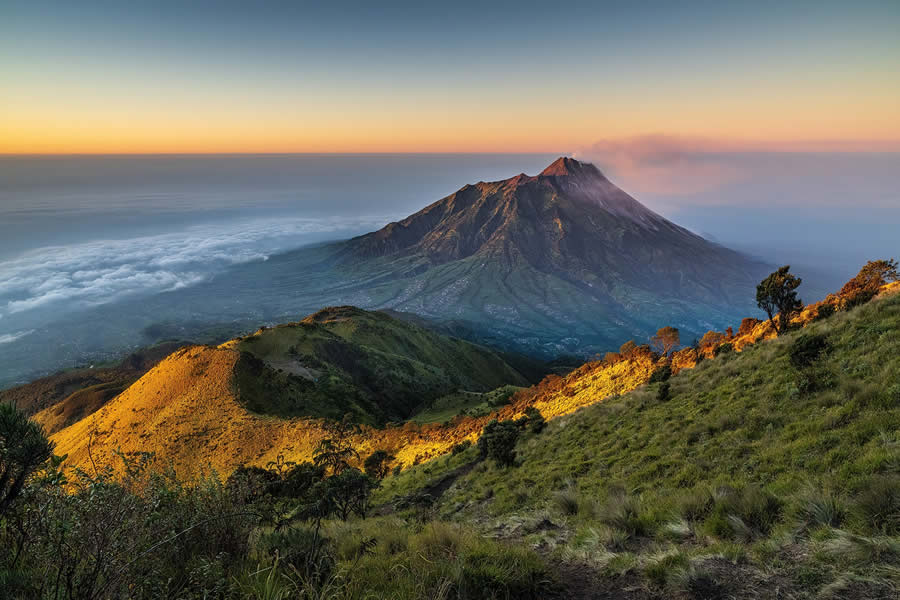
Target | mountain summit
(562,260)
(558,216)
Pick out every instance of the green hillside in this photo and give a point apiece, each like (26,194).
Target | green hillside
(756,477)
(374,366)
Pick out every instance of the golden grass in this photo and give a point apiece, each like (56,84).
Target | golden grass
(185,410)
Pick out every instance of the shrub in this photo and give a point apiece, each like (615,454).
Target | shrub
(661,374)
(748,325)
(250,484)
(498,442)
(303,549)
(824,311)
(23,449)
(723,349)
(533,420)
(867,283)
(460,447)
(664,392)
(806,349)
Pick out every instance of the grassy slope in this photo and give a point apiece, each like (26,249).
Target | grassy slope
(191,410)
(62,399)
(348,360)
(464,403)
(637,488)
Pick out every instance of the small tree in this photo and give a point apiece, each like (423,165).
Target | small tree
(23,449)
(335,450)
(665,340)
(378,464)
(349,492)
(498,441)
(776,294)
(868,281)
(627,349)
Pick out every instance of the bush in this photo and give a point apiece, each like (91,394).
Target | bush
(303,549)
(460,447)
(664,393)
(498,442)
(806,349)
(23,449)
(824,311)
(661,374)
(533,420)
(723,349)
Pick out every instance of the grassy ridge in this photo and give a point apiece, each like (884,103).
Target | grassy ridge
(753,474)
(348,360)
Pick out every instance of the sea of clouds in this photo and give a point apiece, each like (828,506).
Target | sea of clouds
(101,271)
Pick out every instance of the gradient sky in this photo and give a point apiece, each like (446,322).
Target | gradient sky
(193,76)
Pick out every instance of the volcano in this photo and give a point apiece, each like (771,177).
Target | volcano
(560,261)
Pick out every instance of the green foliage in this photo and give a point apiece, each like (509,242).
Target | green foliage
(498,442)
(373,366)
(776,294)
(824,311)
(461,447)
(806,349)
(816,508)
(663,392)
(465,403)
(140,535)
(533,420)
(661,374)
(736,470)
(349,492)
(23,449)
(304,550)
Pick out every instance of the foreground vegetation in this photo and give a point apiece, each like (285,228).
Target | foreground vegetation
(773,472)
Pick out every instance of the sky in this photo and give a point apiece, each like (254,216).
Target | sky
(608,78)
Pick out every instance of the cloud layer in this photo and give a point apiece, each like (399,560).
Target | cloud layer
(102,271)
